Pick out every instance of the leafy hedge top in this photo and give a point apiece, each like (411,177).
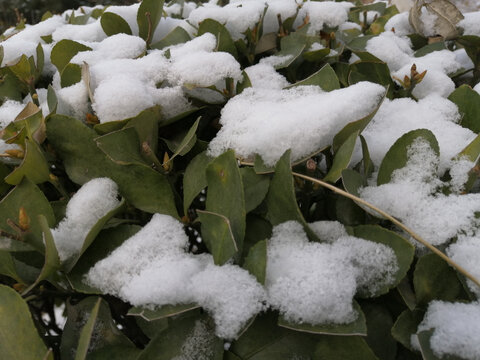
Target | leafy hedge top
(286,151)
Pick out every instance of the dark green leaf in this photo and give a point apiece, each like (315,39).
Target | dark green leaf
(162,312)
(358,327)
(424,340)
(359,43)
(325,78)
(468,103)
(186,143)
(218,236)
(427,49)
(87,332)
(244,83)
(148,16)
(177,36)
(70,75)
(7,266)
(114,24)
(122,147)
(292,46)
(377,72)
(396,157)
(224,40)
(64,51)
(195,178)
(52,100)
(404,250)
(342,158)
(407,325)
(225,193)
(34,166)
(18,336)
(379,338)
(256,261)
(316,55)
(83,161)
(434,279)
(115,352)
(255,188)
(343,348)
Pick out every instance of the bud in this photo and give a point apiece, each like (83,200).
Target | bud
(23,219)
(15,153)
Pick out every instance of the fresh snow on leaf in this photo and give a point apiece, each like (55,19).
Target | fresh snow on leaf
(304,119)
(89,204)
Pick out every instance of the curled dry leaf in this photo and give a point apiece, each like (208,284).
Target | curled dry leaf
(435,17)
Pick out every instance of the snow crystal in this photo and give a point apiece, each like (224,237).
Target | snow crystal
(471,24)
(325,13)
(265,76)
(328,231)
(399,116)
(456,328)
(412,197)
(394,50)
(304,119)
(198,344)
(9,111)
(231,294)
(316,282)
(89,204)
(88,32)
(152,269)
(459,170)
(466,252)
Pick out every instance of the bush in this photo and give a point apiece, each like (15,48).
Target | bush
(187,181)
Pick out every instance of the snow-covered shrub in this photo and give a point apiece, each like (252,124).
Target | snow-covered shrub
(253,179)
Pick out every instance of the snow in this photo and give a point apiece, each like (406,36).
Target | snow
(265,76)
(456,328)
(152,268)
(471,24)
(413,196)
(399,24)
(316,282)
(270,121)
(9,111)
(198,344)
(466,252)
(326,13)
(89,204)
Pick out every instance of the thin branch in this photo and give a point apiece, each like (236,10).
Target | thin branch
(425,243)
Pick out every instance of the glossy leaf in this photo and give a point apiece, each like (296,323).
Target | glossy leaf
(64,51)
(468,103)
(225,193)
(177,36)
(256,261)
(224,39)
(396,157)
(19,338)
(325,78)
(403,249)
(434,279)
(114,24)
(84,161)
(255,188)
(148,17)
(342,159)
(218,236)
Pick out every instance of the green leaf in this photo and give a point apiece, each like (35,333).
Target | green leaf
(163,312)
(225,193)
(173,342)
(23,69)
(144,188)
(256,261)
(33,166)
(52,100)
(407,325)
(18,336)
(106,241)
(255,188)
(472,150)
(258,229)
(115,352)
(427,49)
(267,42)
(7,266)
(114,24)
(325,78)
(292,46)
(40,61)
(281,201)
(218,236)
(468,103)
(52,261)
(403,249)
(148,17)
(373,71)
(70,75)
(87,333)
(342,159)
(64,51)
(424,340)
(28,196)
(177,36)
(434,279)
(10,86)
(406,292)
(224,40)
(359,43)
(352,181)
(122,147)
(353,127)
(316,55)
(243,84)
(186,143)
(396,157)
(343,348)
(379,338)
(92,234)
(90,319)
(368,166)
(195,178)
(357,327)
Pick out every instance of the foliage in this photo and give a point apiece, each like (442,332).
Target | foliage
(229,203)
